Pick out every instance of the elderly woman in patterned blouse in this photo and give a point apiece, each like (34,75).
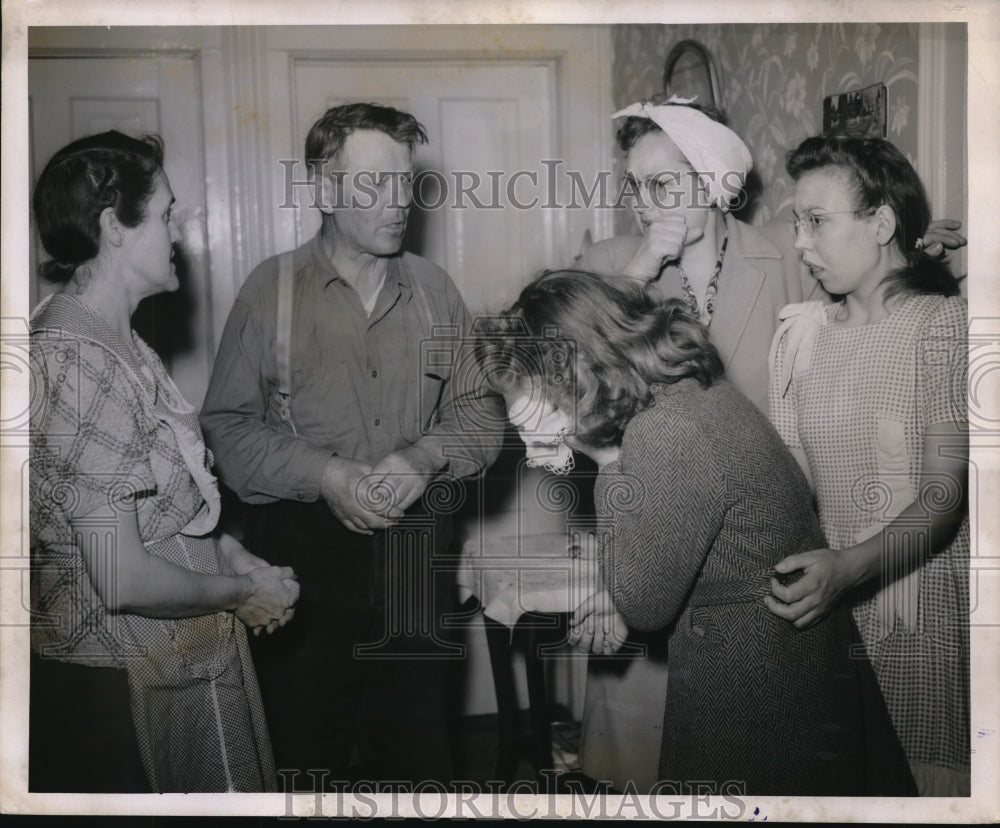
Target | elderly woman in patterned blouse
(697,499)
(135,600)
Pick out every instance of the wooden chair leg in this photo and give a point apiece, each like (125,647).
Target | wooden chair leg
(498,638)
(538,700)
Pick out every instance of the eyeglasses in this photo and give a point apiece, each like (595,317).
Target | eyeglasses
(809,222)
(666,190)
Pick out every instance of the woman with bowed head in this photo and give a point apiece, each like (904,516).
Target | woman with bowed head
(696,499)
(870,394)
(136,601)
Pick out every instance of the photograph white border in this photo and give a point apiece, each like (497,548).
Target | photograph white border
(984,294)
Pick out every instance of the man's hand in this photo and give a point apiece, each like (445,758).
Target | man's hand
(941,235)
(399,479)
(662,242)
(347,490)
(270,602)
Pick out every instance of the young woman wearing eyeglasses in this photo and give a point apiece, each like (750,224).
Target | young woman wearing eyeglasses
(870,393)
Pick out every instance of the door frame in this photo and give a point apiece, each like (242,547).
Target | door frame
(942,123)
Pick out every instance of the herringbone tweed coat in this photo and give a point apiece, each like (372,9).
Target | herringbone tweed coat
(701,504)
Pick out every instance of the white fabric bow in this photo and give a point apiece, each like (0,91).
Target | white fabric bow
(799,324)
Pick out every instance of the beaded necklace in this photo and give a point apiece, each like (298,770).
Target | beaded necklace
(704,314)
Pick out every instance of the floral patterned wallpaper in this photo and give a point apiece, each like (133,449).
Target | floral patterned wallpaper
(773,78)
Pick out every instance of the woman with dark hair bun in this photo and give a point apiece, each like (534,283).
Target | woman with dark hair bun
(870,394)
(134,595)
(697,499)
(79,182)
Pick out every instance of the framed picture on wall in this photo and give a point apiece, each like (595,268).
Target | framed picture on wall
(861,110)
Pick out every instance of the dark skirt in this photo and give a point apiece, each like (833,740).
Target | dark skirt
(81,738)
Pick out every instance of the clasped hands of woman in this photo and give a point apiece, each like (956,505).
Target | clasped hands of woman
(595,625)
(271,591)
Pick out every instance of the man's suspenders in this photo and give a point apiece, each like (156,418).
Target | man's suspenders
(283,330)
(283,336)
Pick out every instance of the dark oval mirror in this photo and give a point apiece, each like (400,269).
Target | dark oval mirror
(690,72)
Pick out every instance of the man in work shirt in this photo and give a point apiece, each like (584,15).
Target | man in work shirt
(332,424)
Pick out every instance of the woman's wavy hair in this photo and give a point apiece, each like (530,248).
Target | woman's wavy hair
(596,345)
(81,181)
(878,173)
